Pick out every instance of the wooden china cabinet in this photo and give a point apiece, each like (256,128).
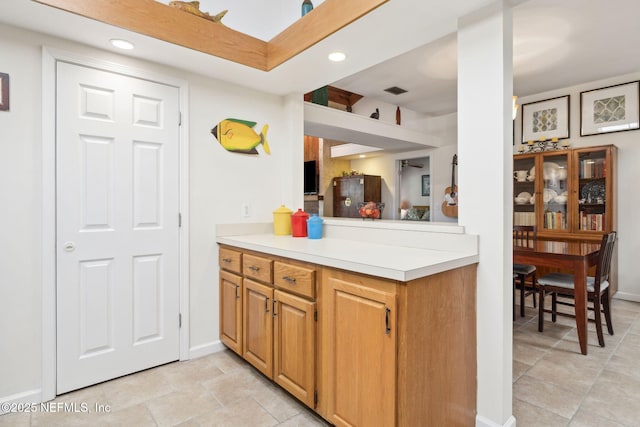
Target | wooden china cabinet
(567,194)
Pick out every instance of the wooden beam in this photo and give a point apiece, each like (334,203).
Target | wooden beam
(172,25)
(320,23)
(337,95)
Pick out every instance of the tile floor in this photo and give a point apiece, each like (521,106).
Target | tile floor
(553,385)
(216,390)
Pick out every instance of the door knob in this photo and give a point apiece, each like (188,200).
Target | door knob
(69,246)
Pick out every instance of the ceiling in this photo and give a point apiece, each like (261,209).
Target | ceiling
(556,44)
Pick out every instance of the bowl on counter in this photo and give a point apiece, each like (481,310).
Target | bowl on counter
(371,210)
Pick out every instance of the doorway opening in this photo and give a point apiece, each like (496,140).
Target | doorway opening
(414,189)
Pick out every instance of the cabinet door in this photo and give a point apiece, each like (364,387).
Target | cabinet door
(345,197)
(359,349)
(294,346)
(594,190)
(257,339)
(231,311)
(524,190)
(556,211)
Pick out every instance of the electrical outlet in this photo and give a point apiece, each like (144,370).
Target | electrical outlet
(246,210)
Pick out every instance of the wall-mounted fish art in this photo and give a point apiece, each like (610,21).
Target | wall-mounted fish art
(238,136)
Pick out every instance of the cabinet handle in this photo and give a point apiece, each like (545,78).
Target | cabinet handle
(227,260)
(237,296)
(387,329)
(266,304)
(253,268)
(273,307)
(289,279)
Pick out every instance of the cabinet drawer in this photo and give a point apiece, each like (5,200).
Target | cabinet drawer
(230,260)
(257,267)
(295,279)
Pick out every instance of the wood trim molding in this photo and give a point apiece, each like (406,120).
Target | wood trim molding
(326,19)
(169,24)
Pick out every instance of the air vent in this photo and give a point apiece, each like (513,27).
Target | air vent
(395,90)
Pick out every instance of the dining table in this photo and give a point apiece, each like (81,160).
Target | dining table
(575,257)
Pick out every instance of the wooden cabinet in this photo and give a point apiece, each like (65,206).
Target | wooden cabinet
(230,291)
(348,191)
(294,346)
(396,353)
(257,339)
(359,350)
(566,194)
(361,337)
(272,329)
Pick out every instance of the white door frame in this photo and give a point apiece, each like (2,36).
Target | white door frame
(50,56)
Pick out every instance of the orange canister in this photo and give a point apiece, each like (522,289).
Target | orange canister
(282,221)
(299,223)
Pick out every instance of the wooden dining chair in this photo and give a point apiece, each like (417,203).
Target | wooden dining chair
(561,285)
(524,235)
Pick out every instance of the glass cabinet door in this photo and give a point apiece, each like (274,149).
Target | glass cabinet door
(524,190)
(592,190)
(555,191)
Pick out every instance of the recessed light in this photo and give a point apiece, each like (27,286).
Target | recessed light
(122,44)
(337,56)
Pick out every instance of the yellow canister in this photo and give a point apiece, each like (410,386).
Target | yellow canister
(282,221)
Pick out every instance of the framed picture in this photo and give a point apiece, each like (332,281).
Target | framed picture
(426,185)
(4,91)
(610,109)
(546,119)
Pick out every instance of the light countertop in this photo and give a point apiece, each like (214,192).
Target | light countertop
(389,261)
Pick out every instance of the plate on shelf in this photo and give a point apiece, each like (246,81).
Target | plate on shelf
(549,195)
(593,190)
(524,195)
(550,170)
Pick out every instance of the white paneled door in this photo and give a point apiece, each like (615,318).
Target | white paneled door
(117,183)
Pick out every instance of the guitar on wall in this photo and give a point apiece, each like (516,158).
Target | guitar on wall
(450,204)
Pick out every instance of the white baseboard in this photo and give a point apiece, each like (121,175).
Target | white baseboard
(485,422)
(12,403)
(206,349)
(627,296)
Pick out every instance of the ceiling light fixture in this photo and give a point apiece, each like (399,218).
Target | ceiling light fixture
(337,56)
(122,44)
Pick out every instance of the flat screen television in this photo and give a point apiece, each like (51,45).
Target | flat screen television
(310,177)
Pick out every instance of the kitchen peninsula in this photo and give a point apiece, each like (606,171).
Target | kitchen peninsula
(374,324)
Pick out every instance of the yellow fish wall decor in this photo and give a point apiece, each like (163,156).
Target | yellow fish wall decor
(238,136)
(193,7)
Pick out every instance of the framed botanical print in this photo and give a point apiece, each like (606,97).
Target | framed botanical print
(544,120)
(610,109)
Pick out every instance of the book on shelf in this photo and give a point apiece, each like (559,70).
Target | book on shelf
(593,168)
(592,222)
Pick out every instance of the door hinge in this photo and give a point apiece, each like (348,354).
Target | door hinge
(315,398)
(179,118)
(315,315)
(179,320)
(179,219)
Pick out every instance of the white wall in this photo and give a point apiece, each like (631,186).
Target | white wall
(220,182)
(20,234)
(627,176)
